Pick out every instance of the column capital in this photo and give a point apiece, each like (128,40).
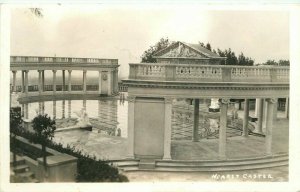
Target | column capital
(225,100)
(271,100)
(168,100)
(70,71)
(26,71)
(14,71)
(131,98)
(54,70)
(84,70)
(40,71)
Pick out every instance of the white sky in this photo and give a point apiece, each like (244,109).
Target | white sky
(125,32)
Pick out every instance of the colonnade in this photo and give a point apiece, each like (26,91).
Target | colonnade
(135,118)
(107,83)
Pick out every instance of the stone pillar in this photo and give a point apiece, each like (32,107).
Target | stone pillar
(69,81)
(223,127)
(109,83)
(100,82)
(269,126)
(260,112)
(275,108)
(54,109)
(14,81)
(131,101)
(40,81)
(23,81)
(43,107)
(99,108)
(26,81)
(63,80)
(26,111)
(84,80)
(84,104)
(287,103)
(168,129)
(246,116)
(63,108)
(69,108)
(54,81)
(116,81)
(196,121)
(43,80)
(256,107)
(265,114)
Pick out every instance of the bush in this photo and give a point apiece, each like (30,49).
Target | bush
(89,169)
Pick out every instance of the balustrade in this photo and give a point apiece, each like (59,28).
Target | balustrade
(214,73)
(30,59)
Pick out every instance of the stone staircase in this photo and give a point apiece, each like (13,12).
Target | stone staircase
(206,165)
(20,173)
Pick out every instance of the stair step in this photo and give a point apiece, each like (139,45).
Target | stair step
(219,164)
(147,164)
(21,168)
(19,160)
(126,163)
(27,174)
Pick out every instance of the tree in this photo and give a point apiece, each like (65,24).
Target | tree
(44,128)
(15,125)
(208,46)
(147,56)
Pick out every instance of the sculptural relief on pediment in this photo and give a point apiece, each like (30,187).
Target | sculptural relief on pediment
(181,51)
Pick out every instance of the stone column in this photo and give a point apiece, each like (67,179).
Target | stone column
(116,81)
(196,121)
(260,112)
(246,116)
(84,80)
(26,81)
(168,129)
(109,83)
(69,81)
(54,81)
(269,126)
(40,81)
(54,109)
(26,111)
(223,127)
(14,81)
(131,101)
(275,108)
(84,104)
(43,80)
(100,82)
(69,108)
(256,107)
(63,80)
(287,103)
(265,114)
(63,109)
(23,81)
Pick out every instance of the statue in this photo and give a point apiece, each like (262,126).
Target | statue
(83,119)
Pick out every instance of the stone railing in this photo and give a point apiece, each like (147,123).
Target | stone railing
(208,73)
(61,60)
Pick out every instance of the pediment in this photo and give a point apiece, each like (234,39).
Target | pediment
(179,50)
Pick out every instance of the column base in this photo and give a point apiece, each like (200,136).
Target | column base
(213,110)
(167,158)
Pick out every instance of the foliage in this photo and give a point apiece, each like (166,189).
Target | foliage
(88,168)
(231,58)
(15,119)
(279,63)
(15,125)
(147,56)
(44,128)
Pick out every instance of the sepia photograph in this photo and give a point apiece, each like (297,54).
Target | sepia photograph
(132,94)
